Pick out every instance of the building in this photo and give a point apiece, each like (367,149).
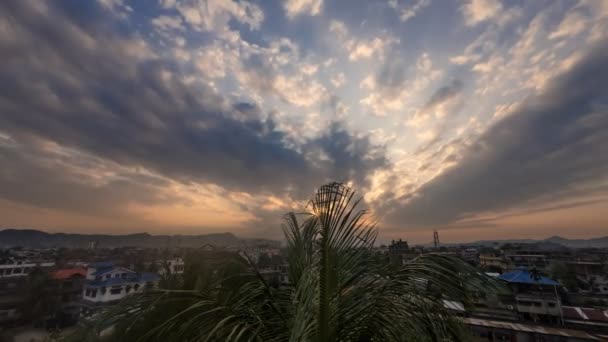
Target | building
(68,283)
(595,274)
(11,267)
(536,296)
(526,261)
(13,278)
(399,252)
(492,262)
(492,330)
(108,284)
(171,266)
(587,319)
(277,275)
(470,255)
(398,247)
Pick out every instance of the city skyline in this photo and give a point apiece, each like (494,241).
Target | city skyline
(484,119)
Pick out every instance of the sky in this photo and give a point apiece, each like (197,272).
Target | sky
(483,119)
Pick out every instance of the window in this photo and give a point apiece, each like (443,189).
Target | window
(116,290)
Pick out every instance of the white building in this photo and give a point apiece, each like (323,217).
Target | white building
(174,266)
(18,268)
(107,283)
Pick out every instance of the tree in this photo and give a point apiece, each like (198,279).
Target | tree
(559,270)
(339,290)
(41,297)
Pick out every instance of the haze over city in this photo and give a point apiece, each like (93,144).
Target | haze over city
(482,119)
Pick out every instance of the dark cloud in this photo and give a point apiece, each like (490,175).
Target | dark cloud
(392,78)
(35,176)
(97,87)
(441,96)
(552,147)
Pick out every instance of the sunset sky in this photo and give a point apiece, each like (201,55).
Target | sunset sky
(484,119)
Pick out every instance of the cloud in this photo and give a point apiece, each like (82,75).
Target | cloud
(339,28)
(165,22)
(395,82)
(294,8)
(440,101)
(214,15)
(270,72)
(573,24)
(552,146)
(72,181)
(443,94)
(338,80)
(80,85)
(408,12)
(364,49)
(477,11)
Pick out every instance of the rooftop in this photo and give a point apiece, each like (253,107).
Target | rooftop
(526,277)
(67,273)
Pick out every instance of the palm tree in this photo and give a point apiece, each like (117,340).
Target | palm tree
(339,290)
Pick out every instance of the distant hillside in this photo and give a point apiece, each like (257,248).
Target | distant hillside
(39,239)
(550,243)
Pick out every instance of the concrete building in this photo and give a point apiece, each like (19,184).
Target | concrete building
(69,283)
(13,277)
(595,274)
(491,330)
(536,296)
(526,261)
(11,268)
(171,266)
(493,262)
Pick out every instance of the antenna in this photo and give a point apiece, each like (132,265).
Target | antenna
(435,239)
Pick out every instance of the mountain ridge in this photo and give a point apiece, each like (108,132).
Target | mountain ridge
(598,242)
(34,238)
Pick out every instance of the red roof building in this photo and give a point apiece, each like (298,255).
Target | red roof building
(67,273)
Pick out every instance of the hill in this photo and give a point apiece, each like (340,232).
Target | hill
(549,243)
(39,239)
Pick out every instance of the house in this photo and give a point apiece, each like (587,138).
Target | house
(108,284)
(536,296)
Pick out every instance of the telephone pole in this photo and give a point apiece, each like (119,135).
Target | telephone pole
(436,239)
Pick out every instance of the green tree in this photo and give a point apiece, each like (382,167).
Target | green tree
(559,271)
(339,290)
(41,297)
